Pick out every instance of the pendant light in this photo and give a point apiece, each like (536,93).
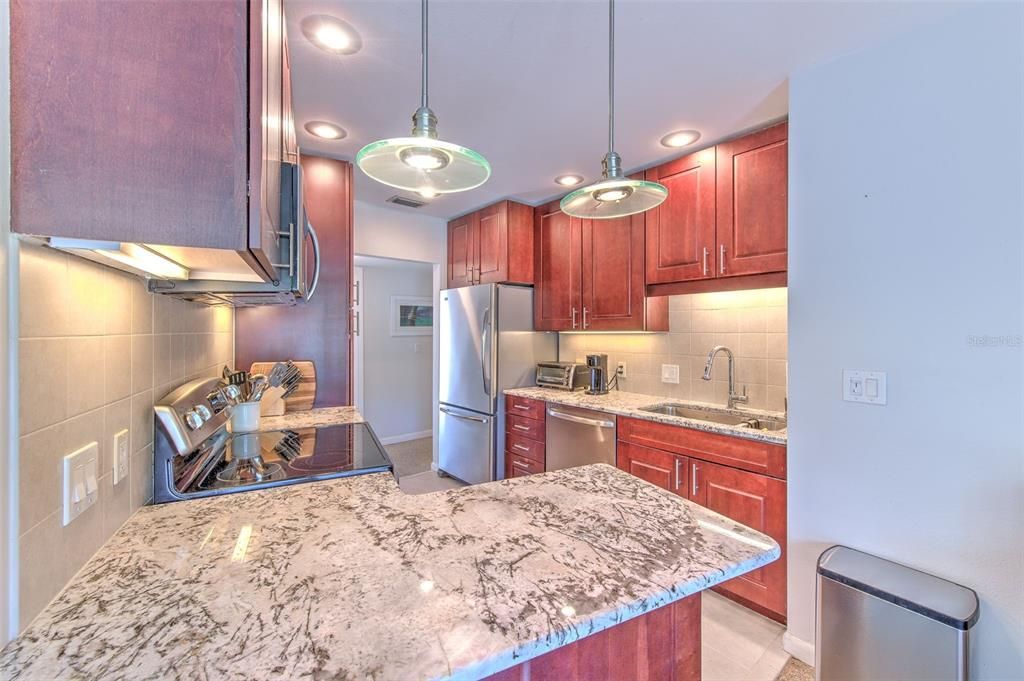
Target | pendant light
(615,195)
(421,162)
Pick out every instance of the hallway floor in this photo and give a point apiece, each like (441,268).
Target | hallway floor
(411,457)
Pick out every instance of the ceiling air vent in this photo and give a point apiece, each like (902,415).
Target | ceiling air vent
(406,201)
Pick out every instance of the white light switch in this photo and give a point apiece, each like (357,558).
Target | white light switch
(81,482)
(864,386)
(669,373)
(120,456)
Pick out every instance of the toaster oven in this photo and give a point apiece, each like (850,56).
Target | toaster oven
(562,375)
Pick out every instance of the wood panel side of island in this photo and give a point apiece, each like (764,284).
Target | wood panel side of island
(661,645)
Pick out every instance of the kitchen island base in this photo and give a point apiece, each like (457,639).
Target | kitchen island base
(662,645)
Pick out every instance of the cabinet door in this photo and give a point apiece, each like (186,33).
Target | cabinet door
(759,502)
(613,274)
(556,303)
(461,250)
(129,121)
(752,185)
(681,231)
(492,244)
(657,467)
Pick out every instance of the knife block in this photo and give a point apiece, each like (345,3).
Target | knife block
(272,403)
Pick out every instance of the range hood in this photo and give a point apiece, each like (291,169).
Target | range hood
(220,277)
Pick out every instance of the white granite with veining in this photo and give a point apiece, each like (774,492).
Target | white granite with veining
(324,416)
(628,404)
(353,579)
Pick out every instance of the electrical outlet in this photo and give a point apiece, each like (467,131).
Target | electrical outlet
(81,482)
(620,370)
(864,386)
(669,373)
(120,456)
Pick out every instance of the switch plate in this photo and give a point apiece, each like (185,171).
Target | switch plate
(620,370)
(120,456)
(669,373)
(864,386)
(81,481)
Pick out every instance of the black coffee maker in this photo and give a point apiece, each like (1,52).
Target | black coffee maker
(598,365)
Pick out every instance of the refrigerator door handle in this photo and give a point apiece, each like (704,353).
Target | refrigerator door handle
(478,419)
(485,354)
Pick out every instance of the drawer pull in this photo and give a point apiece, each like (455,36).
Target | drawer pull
(521,406)
(520,448)
(521,464)
(519,427)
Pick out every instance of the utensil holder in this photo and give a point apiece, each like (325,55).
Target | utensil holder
(245,417)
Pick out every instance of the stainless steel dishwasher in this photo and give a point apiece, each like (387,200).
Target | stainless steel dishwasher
(576,437)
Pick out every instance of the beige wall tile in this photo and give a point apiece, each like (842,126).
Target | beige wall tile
(753,345)
(41,574)
(116,417)
(83,537)
(775,319)
(118,304)
(39,475)
(117,505)
(83,430)
(142,363)
(142,478)
(142,307)
(775,372)
(86,375)
(775,346)
(161,359)
(141,431)
(43,375)
(117,370)
(43,292)
(87,297)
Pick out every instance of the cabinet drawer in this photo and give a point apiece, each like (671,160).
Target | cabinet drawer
(520,447)
(524,427)
(748,455)
(518,466)
(524,406)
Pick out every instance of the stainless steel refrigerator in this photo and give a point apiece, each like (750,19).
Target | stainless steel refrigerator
(487,345)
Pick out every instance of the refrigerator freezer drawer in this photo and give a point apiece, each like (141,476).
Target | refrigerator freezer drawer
(466,444)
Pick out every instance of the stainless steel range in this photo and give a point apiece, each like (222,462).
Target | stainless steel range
(196,456)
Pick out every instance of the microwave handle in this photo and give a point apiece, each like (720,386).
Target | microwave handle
(316,259)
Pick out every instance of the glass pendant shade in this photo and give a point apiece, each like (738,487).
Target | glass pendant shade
(423,164)
(613,198)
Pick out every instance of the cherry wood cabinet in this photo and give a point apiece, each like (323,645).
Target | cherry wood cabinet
(590,275)
(493,245)
(525,428)
(724,224)
(149,122)
(688,462)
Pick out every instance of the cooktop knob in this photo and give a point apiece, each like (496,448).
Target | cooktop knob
(193,419)
(203,412)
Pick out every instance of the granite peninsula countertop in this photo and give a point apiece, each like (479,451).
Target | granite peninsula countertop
(352,578)
(623,403)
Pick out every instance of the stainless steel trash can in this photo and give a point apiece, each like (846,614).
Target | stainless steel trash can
(882,621)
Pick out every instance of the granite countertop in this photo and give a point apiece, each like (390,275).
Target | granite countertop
(324,416)
(351,579)
(628,404)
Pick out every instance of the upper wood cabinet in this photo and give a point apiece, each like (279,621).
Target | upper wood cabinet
(590,275)
(493,245)
(724,224)
(157,123)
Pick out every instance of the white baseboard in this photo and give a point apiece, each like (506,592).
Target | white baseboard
(798,648)
(405,437)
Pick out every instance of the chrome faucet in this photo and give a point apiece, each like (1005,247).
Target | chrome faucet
(734,397)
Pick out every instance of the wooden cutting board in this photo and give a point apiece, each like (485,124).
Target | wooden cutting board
(304,396)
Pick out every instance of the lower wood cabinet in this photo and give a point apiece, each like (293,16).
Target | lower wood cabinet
(524,436)
(753,499)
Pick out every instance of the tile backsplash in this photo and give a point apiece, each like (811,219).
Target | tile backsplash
(96,349)
(751,323)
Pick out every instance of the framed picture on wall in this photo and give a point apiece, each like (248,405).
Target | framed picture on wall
(412,316)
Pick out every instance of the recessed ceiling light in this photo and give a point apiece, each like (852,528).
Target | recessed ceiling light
(680,138)
(331,34)
(569,180)
(427,192)
(325,130)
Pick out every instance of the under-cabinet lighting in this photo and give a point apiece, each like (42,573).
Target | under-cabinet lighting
(128,257)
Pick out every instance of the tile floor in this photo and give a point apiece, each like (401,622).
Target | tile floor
(411,457)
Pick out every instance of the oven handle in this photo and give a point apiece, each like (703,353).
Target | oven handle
(600,423)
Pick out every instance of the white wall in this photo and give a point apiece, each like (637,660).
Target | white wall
(397,370)
(907,239)
(8,407)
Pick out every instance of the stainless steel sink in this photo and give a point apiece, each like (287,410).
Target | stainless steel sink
(752,421)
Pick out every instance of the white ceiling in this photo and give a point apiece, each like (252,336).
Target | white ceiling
(525,82)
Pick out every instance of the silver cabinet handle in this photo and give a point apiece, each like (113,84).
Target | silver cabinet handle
(485,351)
(705,261)
(355,285)
(721,259)
(520,464)
(316,259)
(477,419)
(678,481)
(600,423)
(355,316)
(525,407)
(574,317)
(694,485)
(519,427)
(520,448)
(585,323)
